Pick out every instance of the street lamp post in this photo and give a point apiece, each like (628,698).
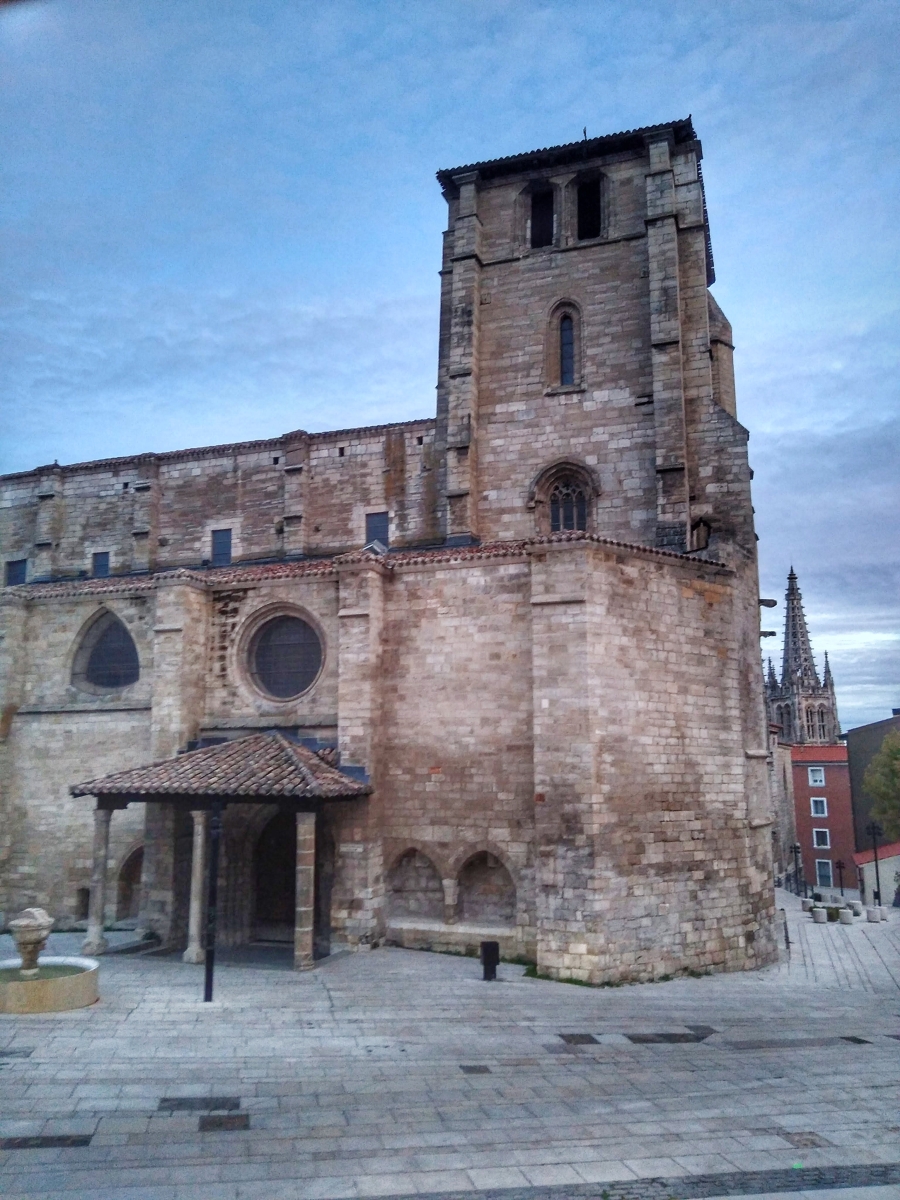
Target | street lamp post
(795,850)
(212,897)
(839,867)
(874,830)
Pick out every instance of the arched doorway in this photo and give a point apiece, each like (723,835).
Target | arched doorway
(128,895)
(275,882)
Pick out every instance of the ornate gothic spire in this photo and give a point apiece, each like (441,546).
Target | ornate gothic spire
(804,709)
(827,680)
(771,679)
(798,667)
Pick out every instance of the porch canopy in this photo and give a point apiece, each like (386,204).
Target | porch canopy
(262,768)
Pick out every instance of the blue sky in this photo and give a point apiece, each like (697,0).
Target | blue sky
(219,221)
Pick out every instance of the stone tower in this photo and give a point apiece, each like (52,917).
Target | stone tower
(803,708)
(579,346)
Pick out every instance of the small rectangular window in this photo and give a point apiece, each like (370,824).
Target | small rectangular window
(100,564)
(589,210)
(819,806)
(377,526)
(276,459)
(221,547)
(821,839)
(823,873)
(542,219)
(816,776)
(16,571)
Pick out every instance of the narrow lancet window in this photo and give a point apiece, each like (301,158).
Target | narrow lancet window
(589,225)
(566,350)
(541,219)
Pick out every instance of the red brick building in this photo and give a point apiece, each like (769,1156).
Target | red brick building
(824,815)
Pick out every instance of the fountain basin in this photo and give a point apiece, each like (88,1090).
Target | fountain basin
(62,983)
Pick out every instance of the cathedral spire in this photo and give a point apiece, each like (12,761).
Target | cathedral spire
(804,709)
(797,666)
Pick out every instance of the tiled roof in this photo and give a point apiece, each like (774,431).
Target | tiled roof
(835,754)
(551,156)
(240,573)
(261,765)
(891,850)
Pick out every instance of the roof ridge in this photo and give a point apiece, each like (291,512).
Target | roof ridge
(684,124)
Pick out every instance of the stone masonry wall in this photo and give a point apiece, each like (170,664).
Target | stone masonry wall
(647,859)
(456,720)
(299,494)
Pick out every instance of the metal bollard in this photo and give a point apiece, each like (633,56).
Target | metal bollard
(490,957)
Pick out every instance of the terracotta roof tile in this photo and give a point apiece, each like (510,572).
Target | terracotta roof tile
(239,573)
(260,765)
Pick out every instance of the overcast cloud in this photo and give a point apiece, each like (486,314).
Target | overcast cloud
(219,221)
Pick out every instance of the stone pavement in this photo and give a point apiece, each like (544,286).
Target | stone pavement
(400,1073)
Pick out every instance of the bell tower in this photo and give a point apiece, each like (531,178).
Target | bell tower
(585,375)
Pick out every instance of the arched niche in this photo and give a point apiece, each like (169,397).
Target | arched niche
(487,893)
(414,888)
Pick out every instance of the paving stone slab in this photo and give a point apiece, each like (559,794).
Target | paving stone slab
(350,1078)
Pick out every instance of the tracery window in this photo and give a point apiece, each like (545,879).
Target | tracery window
(787,724)
(822,733)
(285,657)
(568,505)
(810,723)
(107,658)
(562,498)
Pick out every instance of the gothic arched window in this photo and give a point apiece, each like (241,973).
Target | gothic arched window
(563,346)
(787,724)
(810,722)
(568,505)
(107,658)
(822,733)
(562,498)
(566,350)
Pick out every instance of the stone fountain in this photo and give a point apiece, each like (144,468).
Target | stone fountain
(51,984)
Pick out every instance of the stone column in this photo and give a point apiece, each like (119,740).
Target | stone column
(306,884)
(195,952)
(451,900)
(95,942)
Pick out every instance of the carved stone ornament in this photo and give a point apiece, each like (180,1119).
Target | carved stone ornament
(30,931)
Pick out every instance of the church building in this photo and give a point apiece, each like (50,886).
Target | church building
(495,673)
